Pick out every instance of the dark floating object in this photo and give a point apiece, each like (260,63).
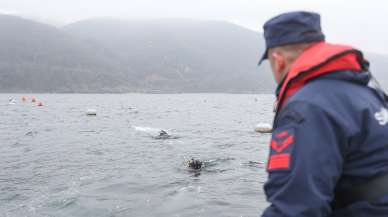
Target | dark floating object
(164,135)
(194,164)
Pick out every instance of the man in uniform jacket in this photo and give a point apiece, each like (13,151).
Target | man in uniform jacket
(329,148)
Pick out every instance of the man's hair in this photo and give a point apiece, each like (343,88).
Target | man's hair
(291,52)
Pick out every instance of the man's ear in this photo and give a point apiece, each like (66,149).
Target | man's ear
(279,61)
(278,65)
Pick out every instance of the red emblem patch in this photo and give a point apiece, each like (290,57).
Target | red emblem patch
(279,161)
(281,146)
(282,134)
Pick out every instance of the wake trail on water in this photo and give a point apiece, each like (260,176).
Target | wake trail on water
(155,133)
(146,129)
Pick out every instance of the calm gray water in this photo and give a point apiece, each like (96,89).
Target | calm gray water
(56,161)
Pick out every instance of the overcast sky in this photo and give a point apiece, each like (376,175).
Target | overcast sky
(361,23)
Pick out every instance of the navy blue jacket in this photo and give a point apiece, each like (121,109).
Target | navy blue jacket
(331,135)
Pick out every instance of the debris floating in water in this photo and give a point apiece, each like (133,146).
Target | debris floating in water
(91,112)
(263,128)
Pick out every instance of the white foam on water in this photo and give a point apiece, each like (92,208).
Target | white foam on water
(146,129)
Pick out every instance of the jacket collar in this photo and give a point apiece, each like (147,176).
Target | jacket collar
(320,59)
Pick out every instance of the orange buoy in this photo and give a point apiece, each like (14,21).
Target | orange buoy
(33,99)
(40,104)
(24,99)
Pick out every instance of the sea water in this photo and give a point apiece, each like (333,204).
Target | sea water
(57,161)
